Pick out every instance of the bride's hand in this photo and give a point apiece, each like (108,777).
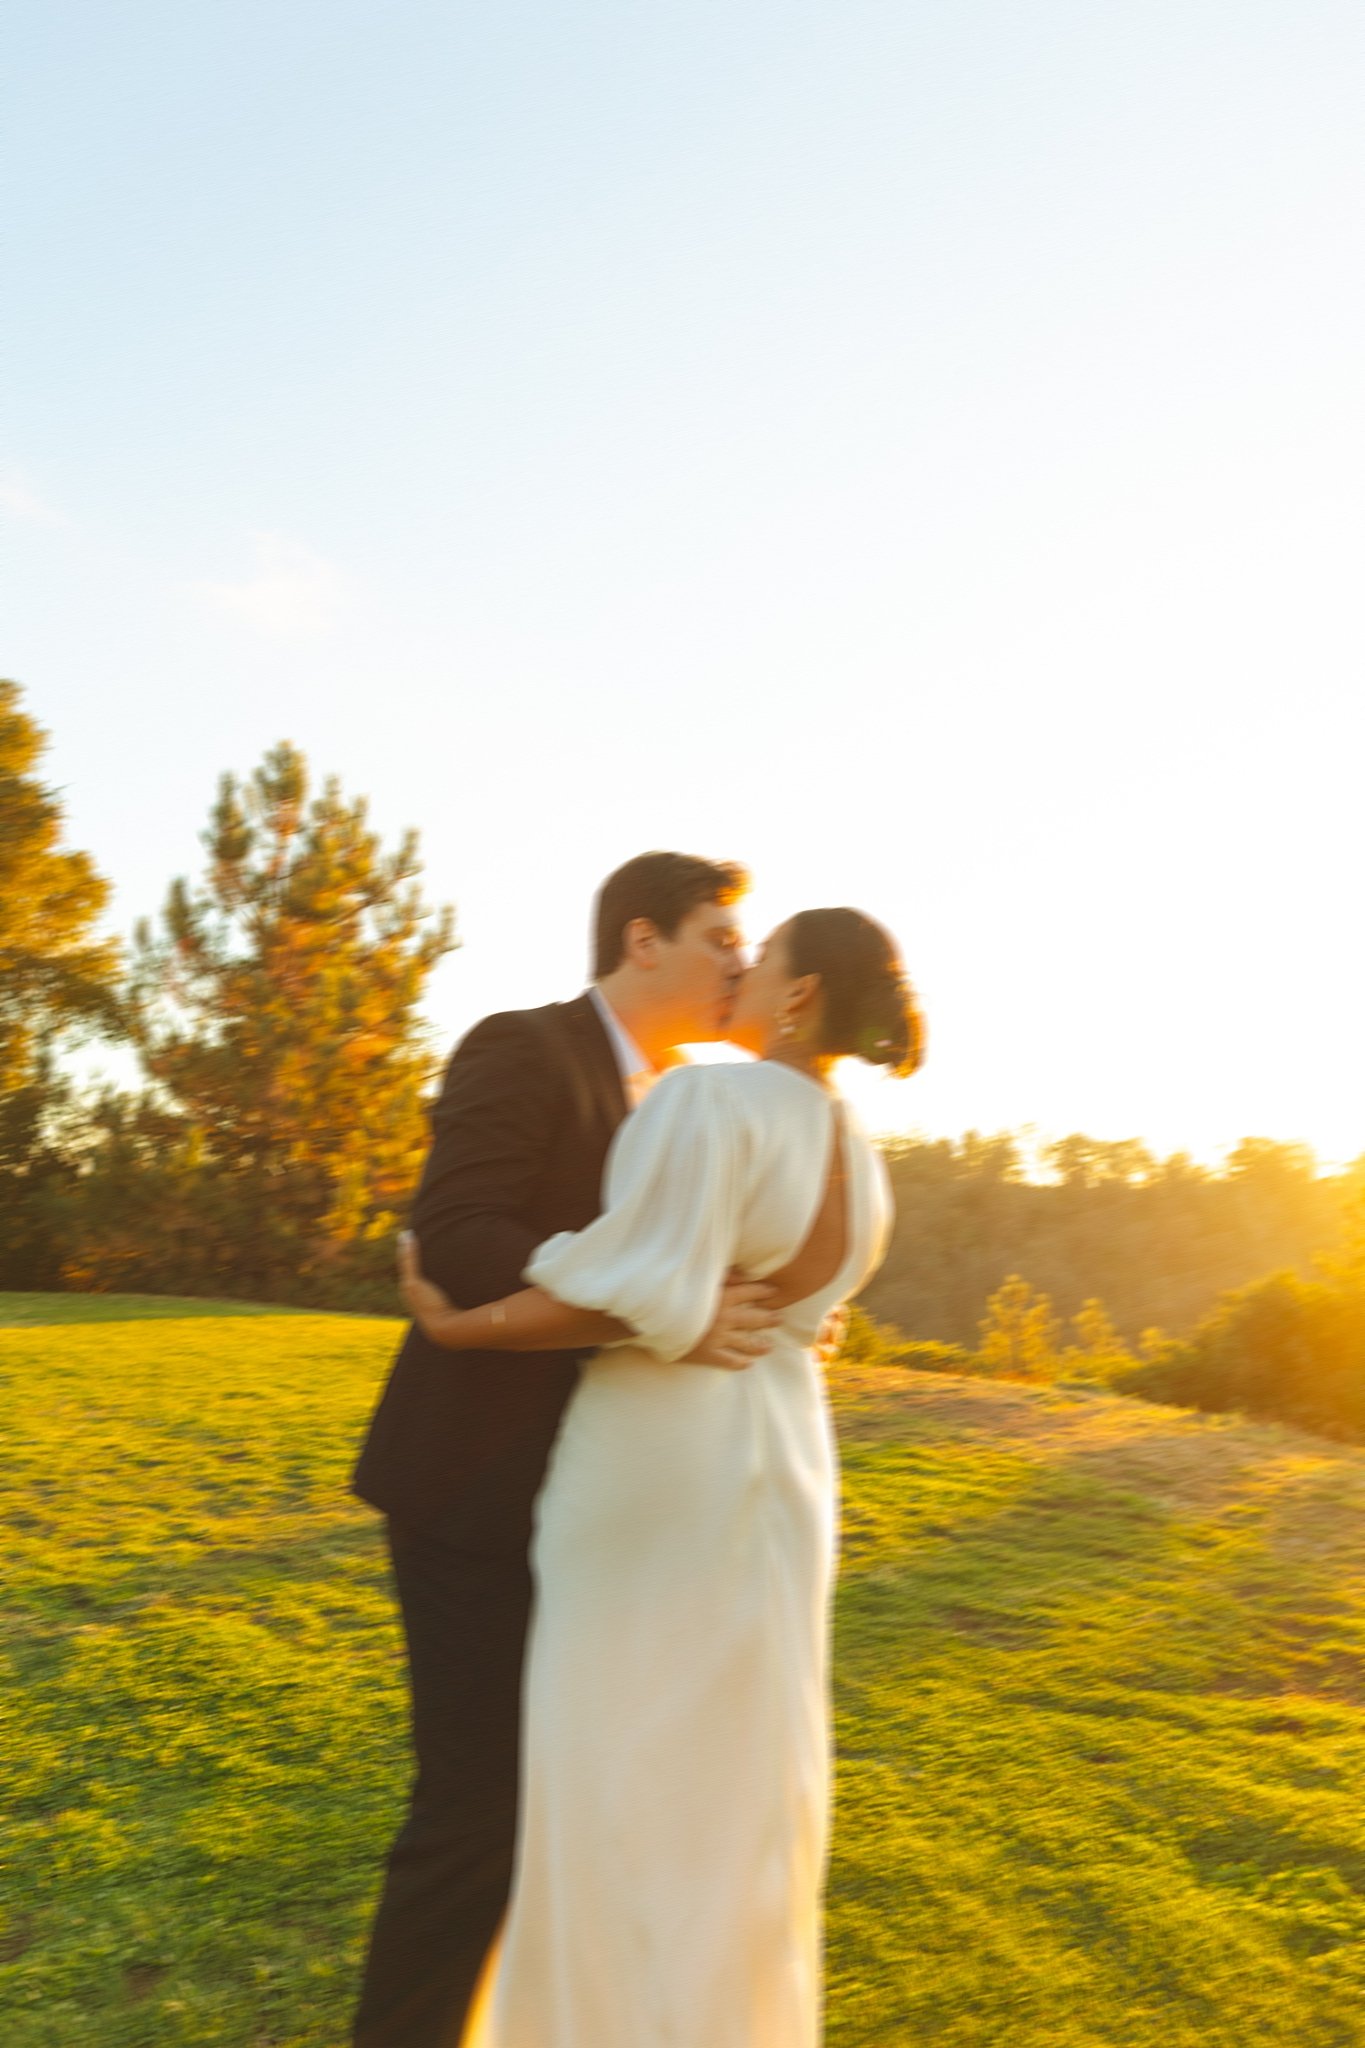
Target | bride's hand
(427,1304)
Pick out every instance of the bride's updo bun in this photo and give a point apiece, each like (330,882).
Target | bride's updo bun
(870,1011)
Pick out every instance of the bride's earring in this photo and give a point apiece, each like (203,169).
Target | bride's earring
(785,1026)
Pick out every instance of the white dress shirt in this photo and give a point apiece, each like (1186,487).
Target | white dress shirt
(637,1075)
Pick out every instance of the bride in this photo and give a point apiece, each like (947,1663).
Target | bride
(676,1743)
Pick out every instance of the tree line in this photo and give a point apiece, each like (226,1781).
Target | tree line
(271,1144)
(1288,1347)
(1157,1240)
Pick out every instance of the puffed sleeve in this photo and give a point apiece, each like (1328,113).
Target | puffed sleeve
(657,1256)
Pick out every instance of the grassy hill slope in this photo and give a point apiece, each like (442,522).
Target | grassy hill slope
(1101,1704)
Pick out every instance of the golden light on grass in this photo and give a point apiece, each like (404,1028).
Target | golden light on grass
(1100,1683)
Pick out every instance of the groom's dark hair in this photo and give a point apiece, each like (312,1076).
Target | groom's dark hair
(663,887)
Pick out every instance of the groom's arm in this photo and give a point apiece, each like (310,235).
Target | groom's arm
(493,1125)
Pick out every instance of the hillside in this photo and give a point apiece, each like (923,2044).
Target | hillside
(1157,1240)
(1101,1704)
(1102,1723)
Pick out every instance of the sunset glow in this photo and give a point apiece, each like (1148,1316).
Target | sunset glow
(918,454)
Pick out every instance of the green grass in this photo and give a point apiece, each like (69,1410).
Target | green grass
(1101,1714)
(24,1309)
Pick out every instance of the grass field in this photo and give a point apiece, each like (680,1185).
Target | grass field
(1101,1714)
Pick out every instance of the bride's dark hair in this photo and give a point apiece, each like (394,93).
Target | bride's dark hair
(870,1009)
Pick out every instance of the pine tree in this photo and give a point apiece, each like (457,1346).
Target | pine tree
(275,1007)
(1097,1350)
(1018,1334)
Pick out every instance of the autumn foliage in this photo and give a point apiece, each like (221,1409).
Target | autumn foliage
(58,978)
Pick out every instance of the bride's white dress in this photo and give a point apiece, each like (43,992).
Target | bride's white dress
(676,1754)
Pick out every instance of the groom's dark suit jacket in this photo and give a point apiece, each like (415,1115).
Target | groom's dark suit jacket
(459,1442)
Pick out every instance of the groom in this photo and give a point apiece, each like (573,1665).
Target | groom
(457,1448)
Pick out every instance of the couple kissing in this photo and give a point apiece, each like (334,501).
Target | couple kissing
(605,1459)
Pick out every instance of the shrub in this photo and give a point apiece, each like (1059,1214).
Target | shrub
(867,1342)
(1285,1347)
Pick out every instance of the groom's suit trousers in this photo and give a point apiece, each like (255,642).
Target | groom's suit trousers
(450,1870)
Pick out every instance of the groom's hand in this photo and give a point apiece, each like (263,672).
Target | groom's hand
(742,1330)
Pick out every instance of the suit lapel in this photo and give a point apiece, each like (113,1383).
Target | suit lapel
(595,1059)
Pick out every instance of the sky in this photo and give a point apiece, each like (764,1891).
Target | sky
(915,447)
